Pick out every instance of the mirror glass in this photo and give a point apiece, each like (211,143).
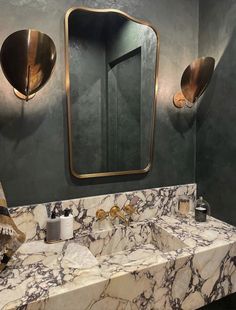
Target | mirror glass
(111,92)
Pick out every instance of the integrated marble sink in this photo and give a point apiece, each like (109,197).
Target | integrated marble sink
(159,262)
(139,239)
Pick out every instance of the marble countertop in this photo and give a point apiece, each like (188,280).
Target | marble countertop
(50,276)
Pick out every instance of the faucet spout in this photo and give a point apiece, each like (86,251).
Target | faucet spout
(116,212)
(122,217)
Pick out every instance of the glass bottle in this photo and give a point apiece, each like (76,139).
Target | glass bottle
(202,209)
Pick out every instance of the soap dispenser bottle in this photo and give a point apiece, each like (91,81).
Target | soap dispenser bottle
(53,228)
(67,225)
(202,209)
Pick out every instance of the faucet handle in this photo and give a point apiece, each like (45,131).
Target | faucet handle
(101,214)
(114,211)
(129,209)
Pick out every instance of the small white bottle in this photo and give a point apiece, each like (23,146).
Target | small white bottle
(66,225)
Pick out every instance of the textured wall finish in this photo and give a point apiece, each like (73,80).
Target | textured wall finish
(33,156)
(216,131)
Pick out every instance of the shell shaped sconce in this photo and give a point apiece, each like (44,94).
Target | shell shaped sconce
(27,59)
(194,81)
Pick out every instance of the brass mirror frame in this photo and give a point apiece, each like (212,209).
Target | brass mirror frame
(67,85)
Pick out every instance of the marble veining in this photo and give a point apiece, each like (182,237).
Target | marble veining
(161,261)
(148,202)
(145,275)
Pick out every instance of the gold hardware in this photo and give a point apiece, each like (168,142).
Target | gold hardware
(179,100)
(27,59)
(101,214)
(69,112)
(116,212)
(129,209)
(194,81)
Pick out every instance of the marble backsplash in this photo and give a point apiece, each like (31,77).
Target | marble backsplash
(149,203)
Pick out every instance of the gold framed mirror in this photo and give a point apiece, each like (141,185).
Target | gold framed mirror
(111,87)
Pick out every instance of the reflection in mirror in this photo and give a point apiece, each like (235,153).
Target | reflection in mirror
(111,90)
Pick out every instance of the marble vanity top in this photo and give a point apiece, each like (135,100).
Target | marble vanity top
(201,269)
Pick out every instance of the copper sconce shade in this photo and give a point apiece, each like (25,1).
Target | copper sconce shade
(194,81)
(27,59)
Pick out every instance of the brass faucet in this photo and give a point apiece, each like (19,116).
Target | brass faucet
(116,212)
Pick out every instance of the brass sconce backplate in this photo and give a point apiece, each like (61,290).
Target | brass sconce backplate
(194,81)
(179,100)
(27,59)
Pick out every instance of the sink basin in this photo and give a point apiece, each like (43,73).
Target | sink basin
(145,237)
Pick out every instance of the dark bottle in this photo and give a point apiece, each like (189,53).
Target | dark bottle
(202,209)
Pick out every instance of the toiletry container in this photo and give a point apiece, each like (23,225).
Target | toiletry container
(66,225)
(53,228)
(202,209)
(184,205)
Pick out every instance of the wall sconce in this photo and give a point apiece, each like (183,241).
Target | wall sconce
(27,59)
(194,81)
